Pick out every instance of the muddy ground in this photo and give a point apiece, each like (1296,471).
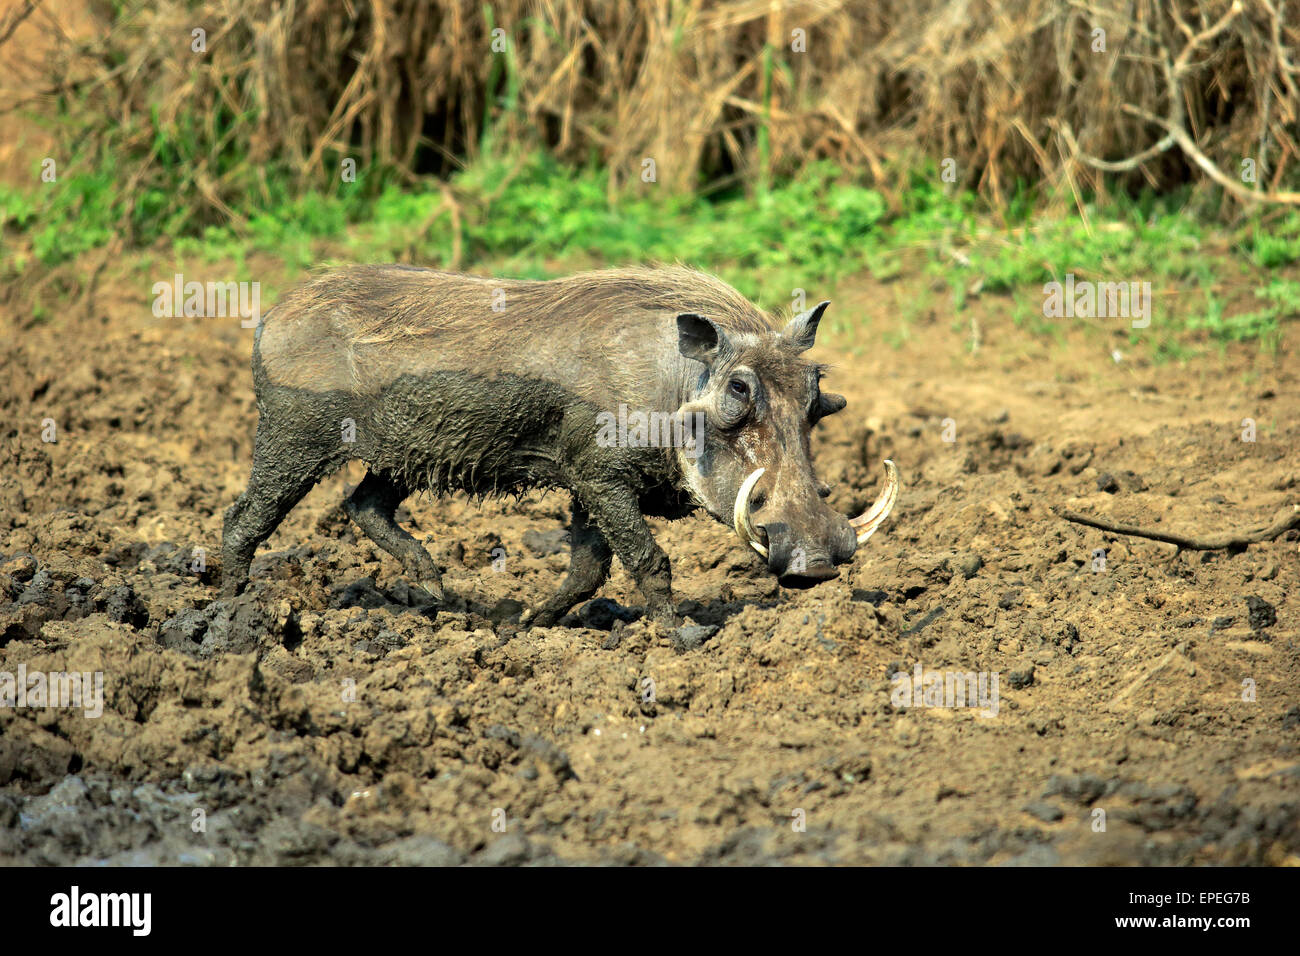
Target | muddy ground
(328,717)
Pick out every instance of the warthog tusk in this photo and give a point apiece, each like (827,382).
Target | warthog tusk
(866,524)
(740,515)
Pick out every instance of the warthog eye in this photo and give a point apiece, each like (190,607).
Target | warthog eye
(737,399)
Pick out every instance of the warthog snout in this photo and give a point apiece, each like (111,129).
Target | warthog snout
(805,556)
(804,560)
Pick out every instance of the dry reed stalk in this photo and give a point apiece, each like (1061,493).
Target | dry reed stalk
(1013,90)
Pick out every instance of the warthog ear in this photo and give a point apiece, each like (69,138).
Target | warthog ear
(698,338)
(802,330)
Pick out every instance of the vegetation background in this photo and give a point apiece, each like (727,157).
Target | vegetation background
(989,145)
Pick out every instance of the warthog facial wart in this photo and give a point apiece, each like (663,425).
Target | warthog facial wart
(450,393)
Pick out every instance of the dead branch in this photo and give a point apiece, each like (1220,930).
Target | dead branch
(15,19)
(1174,124)
(1188,146)
(1215,542)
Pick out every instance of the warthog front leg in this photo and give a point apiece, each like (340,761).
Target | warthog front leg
(589,560)
(617,513)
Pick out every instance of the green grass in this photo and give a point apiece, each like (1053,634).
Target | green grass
(1280,300)
(528,216)
(1276,245)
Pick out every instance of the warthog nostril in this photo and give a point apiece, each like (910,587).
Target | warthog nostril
(757,501)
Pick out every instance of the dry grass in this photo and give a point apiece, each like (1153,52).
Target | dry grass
(712,91)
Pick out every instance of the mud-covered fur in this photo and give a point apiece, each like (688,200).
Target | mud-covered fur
(449,382)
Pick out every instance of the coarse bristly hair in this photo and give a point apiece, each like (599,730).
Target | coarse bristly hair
(405,296)
(360,327)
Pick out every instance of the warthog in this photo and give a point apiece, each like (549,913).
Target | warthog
(442,381)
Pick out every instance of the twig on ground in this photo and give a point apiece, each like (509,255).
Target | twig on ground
(1214,542)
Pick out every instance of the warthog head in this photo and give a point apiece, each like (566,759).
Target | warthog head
(753,468)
